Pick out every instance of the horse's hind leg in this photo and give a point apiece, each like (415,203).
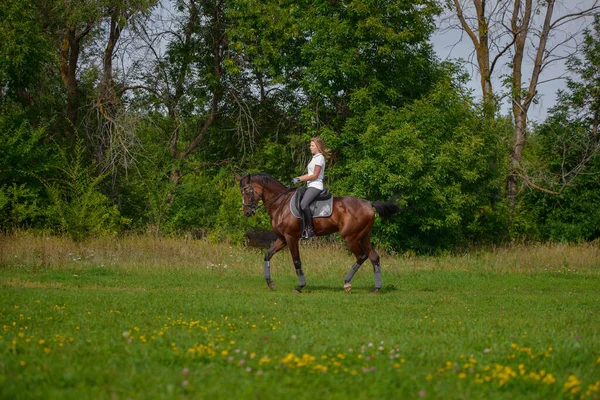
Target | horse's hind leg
(361,256)
(277,245)
(374,257)
(295,251)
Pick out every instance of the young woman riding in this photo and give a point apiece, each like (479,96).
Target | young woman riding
(314,183)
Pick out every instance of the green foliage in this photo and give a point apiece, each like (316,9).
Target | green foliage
(22,148)
(19,206)
(24,48)
(566,149)
(437,155)
(245,84)
(77,207)
(22,153)
(195,203)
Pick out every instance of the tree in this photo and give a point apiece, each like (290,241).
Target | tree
(110,143)
(511,31)
(566,149)
(24,51)
(426,155)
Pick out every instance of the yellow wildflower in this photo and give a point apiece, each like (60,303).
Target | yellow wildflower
(572,385)
(549,379)
(264,360)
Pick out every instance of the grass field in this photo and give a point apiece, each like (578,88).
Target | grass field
(146,318)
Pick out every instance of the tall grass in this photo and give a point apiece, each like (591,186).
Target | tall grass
(150,252)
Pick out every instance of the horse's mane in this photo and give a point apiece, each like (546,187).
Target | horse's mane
(266,180)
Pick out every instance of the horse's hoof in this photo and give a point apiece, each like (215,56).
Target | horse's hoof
(297,291)
(347,287)
(272,285)
(375,291)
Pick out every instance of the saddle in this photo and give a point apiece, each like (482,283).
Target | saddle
(322,207)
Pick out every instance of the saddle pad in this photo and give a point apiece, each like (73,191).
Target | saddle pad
(319,208)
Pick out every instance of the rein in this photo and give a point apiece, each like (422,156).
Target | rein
(254,203)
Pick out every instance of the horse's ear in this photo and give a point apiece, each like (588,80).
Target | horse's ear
(238,178)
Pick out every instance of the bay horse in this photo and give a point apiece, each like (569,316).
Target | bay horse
(352,217)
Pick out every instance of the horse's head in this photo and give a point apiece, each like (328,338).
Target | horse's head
(251,194)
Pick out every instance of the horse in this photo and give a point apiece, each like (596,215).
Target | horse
(351,216)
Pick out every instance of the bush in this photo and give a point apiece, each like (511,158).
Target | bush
(78,208)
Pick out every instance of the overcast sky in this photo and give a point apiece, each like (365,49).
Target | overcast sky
(453,44)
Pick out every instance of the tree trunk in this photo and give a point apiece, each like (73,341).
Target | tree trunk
(69,57)
(108,101)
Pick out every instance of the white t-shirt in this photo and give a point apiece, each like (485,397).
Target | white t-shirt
(317,159)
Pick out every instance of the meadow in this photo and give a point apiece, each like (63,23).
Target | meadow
(145,318)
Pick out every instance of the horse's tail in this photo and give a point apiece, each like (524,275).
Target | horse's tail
(386,209)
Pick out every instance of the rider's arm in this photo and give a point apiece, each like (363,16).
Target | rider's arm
(315,175)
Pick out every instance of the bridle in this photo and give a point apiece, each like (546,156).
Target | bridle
(253,202)
(253,205)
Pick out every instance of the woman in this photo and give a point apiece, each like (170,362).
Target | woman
(314,179)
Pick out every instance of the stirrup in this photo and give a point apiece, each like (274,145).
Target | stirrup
(308,233)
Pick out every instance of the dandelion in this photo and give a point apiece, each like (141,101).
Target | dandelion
(592,389)
(22,363)
(572,385)
(549,379)
(264,360)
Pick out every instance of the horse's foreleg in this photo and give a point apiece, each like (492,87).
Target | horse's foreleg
(277,245)
(295,251)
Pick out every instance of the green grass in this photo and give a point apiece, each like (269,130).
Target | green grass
(146,318)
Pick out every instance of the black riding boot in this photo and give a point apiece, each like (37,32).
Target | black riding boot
(308,224)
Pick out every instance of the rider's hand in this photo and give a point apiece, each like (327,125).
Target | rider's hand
(295,181)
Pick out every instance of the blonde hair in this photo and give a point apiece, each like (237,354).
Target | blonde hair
(321,146)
